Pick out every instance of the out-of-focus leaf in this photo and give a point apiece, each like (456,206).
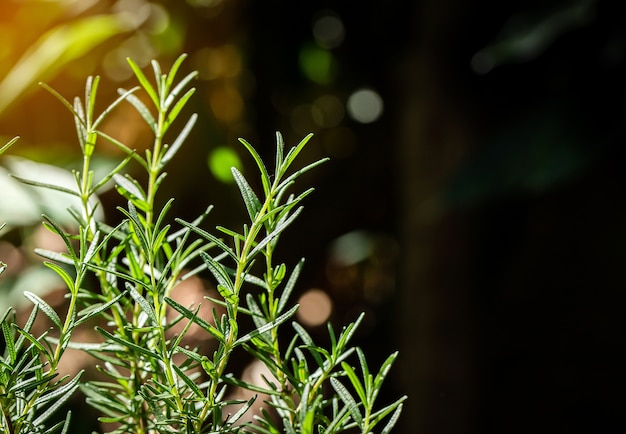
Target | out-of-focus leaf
(23,204)
(53,50)
(527,35)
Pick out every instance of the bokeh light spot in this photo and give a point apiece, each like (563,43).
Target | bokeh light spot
(205,3)
(218,62)
(317,64)
(139,48)
(351,248)
(221,160)
(365,106)
(328,31)
(315,307)
(159,19)
(226,103)
(327,111)
(301,118)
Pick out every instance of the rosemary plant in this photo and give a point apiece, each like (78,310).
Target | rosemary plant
(155,383)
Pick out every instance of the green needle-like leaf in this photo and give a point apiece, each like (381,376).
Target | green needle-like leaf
(270,325)
(46,185)
(128,344)
(69,281)
(123,96)
(154,381)
(9,342)
(253,205)
(44,307)
(276,232)
(265,178)
(180,139)
(392,420)
(145,84)
(220,274)
(8,144)
(171,75)
(291,283)
(356,383)
(348,400)
(146,307)
(191,316)
(188,381)
(173,114)
(219,243)
(141,108)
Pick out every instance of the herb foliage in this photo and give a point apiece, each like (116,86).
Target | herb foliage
(155,383)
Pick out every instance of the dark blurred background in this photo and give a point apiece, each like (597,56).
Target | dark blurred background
(473,206)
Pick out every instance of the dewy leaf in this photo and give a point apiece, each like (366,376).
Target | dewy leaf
(30,383)
(197,320)
(218,272)
(219,243)
(137,226)
(54,256)
(270,325)
(130,186)
(27,328)
(299,172)
(308,341)
(392,421)
(382,374)
(128,344)
(59,393)
(277,230)
(348,400)
(376,417)
(253,205)
(95,309)
(280,147)
(348,332)
(143,303)
(45,307)
(255,310)
(9,342)
(60,396)
(291,283)
(235,417)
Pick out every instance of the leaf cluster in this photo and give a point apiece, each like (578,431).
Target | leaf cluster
(153,382)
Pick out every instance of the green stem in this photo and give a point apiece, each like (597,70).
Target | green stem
(242,264)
